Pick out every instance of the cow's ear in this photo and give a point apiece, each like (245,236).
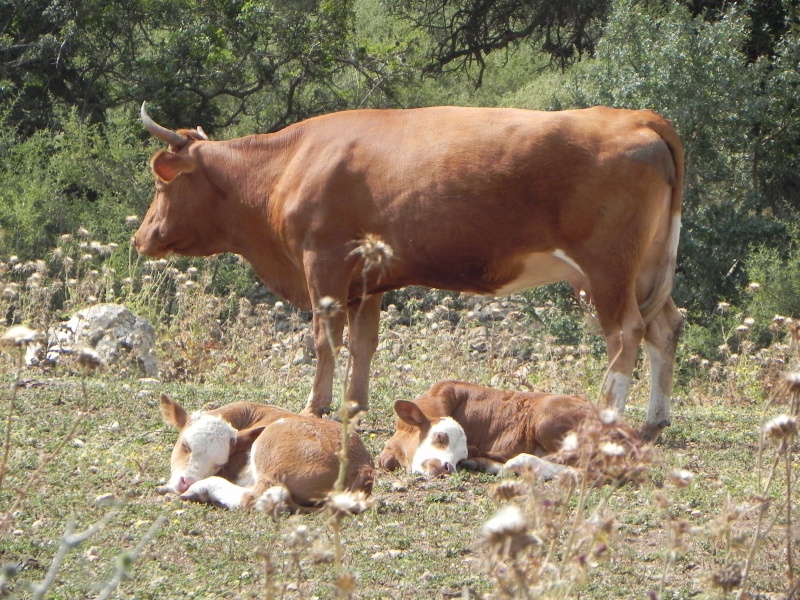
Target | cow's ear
(246,437)
(410,413)
(167,166)
(172,412)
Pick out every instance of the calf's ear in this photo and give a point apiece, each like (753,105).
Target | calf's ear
(172,412)
(245,438)
(410,413)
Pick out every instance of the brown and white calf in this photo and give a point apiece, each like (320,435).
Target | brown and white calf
(504,429)
(234,454)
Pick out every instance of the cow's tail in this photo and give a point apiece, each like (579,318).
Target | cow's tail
(662,289)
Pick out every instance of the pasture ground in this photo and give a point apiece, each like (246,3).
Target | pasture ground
(421,539)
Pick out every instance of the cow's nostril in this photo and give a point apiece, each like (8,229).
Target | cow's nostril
(449,467)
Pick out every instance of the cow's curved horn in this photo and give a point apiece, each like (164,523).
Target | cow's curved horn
(174,139)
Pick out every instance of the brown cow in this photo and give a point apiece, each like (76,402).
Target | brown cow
(503,428)
(482,200)
(234,454)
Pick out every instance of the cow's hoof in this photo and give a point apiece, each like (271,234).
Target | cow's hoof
(310,411)
(355,413)
(652,433)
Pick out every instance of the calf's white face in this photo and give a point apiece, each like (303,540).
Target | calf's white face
(202,449)
(444,445)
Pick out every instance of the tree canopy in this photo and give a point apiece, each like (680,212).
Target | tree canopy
(74,72)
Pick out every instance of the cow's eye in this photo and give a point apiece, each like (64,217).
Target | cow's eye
(185,448)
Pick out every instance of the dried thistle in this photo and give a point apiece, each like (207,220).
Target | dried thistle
(299,538)
(376,253)
(321,553)
(345,584)
(727,578)
(327,308)
(20,336)
(348,503)
(507,532)
(275,501)
(780,429)
(609,416)
(680,478)
(509,489)
(89,359)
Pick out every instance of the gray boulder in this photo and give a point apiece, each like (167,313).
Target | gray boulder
(112,330)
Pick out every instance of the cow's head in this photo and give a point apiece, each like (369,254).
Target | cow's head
(205,444)
(180,218)
(431,447)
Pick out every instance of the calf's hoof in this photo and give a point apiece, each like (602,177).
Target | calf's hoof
(197,492)
(166,489)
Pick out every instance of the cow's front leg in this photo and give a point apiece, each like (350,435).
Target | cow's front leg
(364,320)
(328,322)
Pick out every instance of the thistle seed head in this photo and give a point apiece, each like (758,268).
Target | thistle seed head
(348,503)
(376,253)
(507,531)
(21,336)
(327,307)
(89,359)
(780,428)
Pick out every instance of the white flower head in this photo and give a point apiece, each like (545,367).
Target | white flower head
(609,416)
(349,503)
(274,501)
(508,520)
(21,336)
(570,442)
(681,478)
(507,531)
(612,449)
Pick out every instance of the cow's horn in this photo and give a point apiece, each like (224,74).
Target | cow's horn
(174,139)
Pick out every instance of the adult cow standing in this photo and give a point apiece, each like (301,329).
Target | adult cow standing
(482,200)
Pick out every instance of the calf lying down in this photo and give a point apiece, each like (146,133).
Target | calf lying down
(503,429)
(235,454)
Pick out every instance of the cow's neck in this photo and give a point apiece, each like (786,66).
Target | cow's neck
(246,172)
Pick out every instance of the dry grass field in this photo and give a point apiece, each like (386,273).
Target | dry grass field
(708,513)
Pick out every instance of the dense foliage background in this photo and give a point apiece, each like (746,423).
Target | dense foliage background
(74,72)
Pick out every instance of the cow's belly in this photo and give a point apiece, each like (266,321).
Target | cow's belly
(541,268)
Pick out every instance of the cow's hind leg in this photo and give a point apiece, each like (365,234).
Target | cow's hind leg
(363,318)
(661,339)
(624,329)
